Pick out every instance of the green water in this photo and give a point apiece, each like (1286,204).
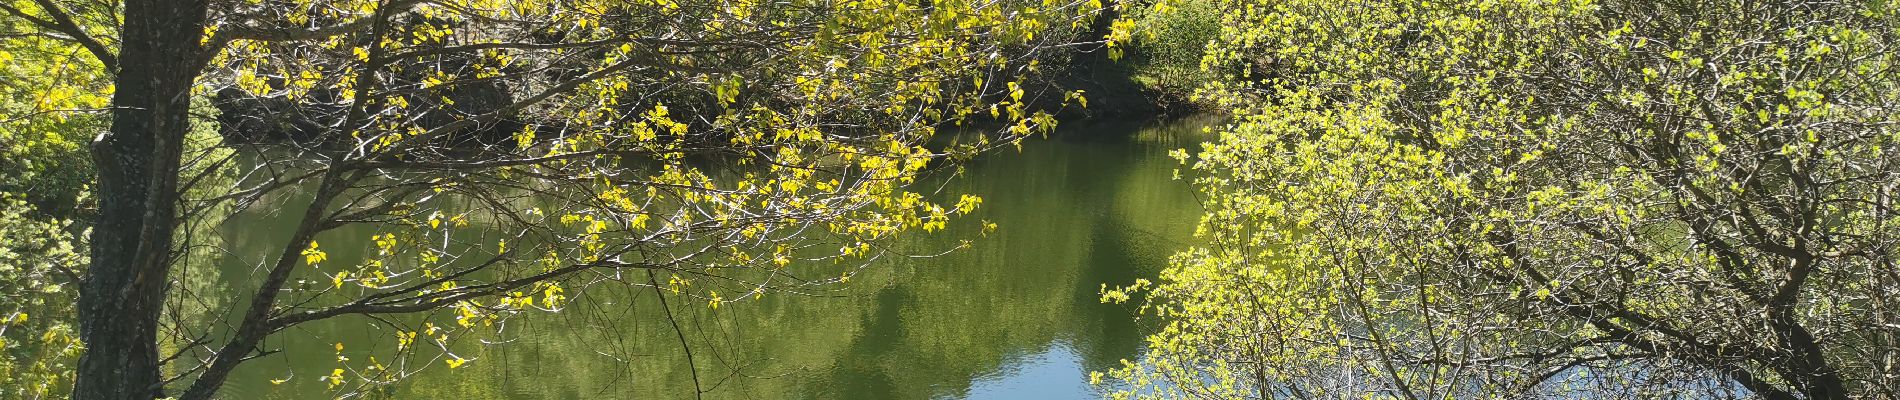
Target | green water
(1014,317)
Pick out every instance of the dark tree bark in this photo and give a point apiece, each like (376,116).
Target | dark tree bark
(137,160)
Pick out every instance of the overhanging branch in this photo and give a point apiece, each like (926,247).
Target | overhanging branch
(58,20)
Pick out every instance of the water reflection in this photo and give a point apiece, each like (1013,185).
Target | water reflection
(1016,316)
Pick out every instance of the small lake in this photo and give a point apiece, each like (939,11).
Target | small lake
(1016,316)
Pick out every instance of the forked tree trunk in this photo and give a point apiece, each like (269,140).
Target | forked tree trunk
(137,161)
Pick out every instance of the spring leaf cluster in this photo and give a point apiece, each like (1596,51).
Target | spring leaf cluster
(1539,199)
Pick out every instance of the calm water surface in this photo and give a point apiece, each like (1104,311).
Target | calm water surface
(1014,317)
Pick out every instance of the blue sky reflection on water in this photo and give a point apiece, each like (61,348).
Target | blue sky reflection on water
(1049,374)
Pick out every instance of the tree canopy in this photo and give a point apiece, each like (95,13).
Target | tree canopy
(1539,199)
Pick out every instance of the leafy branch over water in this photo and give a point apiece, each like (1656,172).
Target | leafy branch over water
(501,157)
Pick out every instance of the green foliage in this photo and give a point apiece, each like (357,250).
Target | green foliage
(1171,39)
(1540,199)
(49,90)
(48,93)
(38,343)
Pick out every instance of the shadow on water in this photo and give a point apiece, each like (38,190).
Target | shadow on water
(1015,316)
(859,379)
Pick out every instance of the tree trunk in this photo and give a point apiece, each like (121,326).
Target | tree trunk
(137,161)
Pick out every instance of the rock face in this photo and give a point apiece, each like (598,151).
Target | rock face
(319,118)
(455,102)
(246,119)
